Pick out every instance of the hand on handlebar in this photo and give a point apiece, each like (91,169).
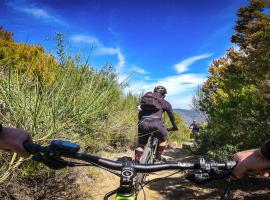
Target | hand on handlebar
(251,160)
(11,139)
(175,128)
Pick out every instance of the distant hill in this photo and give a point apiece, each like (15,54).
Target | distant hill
(189,115)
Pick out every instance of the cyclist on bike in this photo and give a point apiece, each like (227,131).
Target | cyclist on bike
(12,139)
(152,107)
(257,160)
(195,129)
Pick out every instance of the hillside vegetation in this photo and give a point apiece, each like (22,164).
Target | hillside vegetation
(236,95)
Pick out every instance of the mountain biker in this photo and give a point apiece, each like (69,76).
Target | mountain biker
(257,160)
(12,139)
(150,121)
(195,129)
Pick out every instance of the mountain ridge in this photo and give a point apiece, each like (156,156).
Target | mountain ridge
(189,115)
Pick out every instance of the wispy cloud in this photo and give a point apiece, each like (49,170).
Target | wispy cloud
(182,83)
(84,38)
(139,70)
(184,64)
(125,70)
(36,12)
(101,49)
(181,101)
(178,84)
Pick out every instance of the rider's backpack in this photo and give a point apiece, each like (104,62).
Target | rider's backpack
(151,102)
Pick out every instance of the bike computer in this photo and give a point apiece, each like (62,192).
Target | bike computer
(65,146)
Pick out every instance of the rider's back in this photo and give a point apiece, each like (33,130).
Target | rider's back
(164,106)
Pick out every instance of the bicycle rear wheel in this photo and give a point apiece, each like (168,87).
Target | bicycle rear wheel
(147,158)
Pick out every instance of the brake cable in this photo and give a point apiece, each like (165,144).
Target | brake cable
(157,179)
(106,169)
(144,195)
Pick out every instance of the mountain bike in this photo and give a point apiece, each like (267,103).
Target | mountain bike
(53,156)
(148,157)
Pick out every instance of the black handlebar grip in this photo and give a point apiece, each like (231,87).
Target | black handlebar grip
(31,147)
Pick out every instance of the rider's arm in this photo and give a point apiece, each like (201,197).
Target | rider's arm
(257,160)
(140,115)
(169,111)
(12,139)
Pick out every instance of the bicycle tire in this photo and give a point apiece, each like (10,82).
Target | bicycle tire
(147,158)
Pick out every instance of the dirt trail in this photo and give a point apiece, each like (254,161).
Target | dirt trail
(176,186)
(172,188)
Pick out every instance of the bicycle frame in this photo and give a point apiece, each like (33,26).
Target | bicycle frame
(154,144)
(120,197)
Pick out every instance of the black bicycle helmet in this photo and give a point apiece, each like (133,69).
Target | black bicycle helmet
(162,90)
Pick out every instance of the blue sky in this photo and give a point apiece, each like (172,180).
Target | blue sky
(153,42)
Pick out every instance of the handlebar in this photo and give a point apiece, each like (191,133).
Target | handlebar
(171,129)
(53,154)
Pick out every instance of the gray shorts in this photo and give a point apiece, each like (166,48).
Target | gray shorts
(148,126)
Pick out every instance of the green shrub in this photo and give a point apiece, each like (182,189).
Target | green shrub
(81,104)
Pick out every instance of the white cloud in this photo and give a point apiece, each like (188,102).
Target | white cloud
(84,38)
(125,71)
(34,11)
(101,49)
(139,70)
(37,12)
(183,65)
(183,102)
(180,87)
(182,83)
(121,60)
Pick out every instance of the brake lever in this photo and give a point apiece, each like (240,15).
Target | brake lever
(52,162)
(198,178)
(202,178)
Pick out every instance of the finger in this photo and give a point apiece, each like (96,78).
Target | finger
(19,149)
(239,170)
(29,138)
